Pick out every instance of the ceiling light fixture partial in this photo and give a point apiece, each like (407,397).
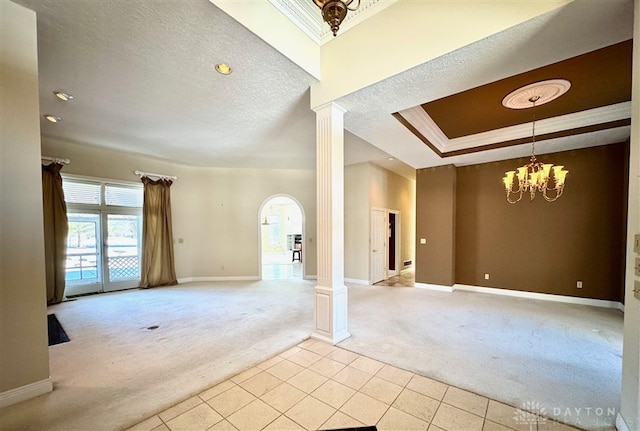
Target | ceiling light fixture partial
(534,176)
(223,68)
(63,95)
(334,11)
(52,118)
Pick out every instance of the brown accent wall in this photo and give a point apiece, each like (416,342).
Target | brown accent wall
(436,222)
(543,246)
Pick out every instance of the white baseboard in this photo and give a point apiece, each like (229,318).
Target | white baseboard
(228,278)
(357,281)
(25,392)
(434,287)
(407,269)
(542,296)
(310,277)
(621,425)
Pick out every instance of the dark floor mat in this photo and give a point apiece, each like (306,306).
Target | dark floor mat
(56,331)
(370,428)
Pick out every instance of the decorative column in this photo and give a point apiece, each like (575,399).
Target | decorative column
(330,305)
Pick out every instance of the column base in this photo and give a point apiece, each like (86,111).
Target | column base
(330,314)
(331,340)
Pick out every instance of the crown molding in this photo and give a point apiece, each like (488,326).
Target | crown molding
(430,131)
(308,18)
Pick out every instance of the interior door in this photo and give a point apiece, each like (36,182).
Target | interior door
(378,245)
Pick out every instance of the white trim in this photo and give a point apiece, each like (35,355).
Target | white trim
(357,281)
(407,269)
(437,287)
(26,392)
(621,425)
(542,296)
(227,278)
(310,277)
(425,125)
(621,306)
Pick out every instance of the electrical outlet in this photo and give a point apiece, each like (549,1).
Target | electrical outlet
(486,276)
(579,285)
(423,240)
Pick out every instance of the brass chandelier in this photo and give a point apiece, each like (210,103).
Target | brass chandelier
(334,11)
(535,176)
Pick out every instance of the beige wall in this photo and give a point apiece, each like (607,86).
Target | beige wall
(394,192)
(215,210)
(369,186)
(24,355)
(356,221)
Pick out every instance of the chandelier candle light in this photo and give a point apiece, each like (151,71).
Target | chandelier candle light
(535,176)
(334,11)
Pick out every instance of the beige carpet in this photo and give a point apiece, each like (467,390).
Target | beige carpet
(115,372)
(561,360)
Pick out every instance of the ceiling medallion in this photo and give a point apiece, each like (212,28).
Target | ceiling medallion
(545,91)
(334,11)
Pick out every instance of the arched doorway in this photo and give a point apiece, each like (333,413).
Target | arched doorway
(281,238)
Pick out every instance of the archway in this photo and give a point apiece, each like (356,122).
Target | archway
(281,238)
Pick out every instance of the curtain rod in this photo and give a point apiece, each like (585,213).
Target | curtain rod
(56,160)
(149,174)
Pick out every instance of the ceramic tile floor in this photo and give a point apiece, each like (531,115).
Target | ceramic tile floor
(317,386)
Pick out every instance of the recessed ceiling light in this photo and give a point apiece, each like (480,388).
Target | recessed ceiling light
(52,118)
(391,159)
(63,95)
(223,68)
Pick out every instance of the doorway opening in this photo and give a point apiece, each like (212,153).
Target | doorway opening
(281,243)
(385,243)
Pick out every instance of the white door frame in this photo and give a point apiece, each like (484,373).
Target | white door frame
(398,243)
(373,269)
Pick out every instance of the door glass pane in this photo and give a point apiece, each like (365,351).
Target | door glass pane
(123,251)
(83,247)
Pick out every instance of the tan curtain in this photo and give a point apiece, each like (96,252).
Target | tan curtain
(56,227)
(157,235)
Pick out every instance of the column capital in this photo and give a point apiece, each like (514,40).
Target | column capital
(330,105)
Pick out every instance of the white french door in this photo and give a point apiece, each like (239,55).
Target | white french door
(103,252)
(105,236)
(84,254)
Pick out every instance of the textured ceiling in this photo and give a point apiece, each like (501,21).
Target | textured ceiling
(578,28)
(143,80)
